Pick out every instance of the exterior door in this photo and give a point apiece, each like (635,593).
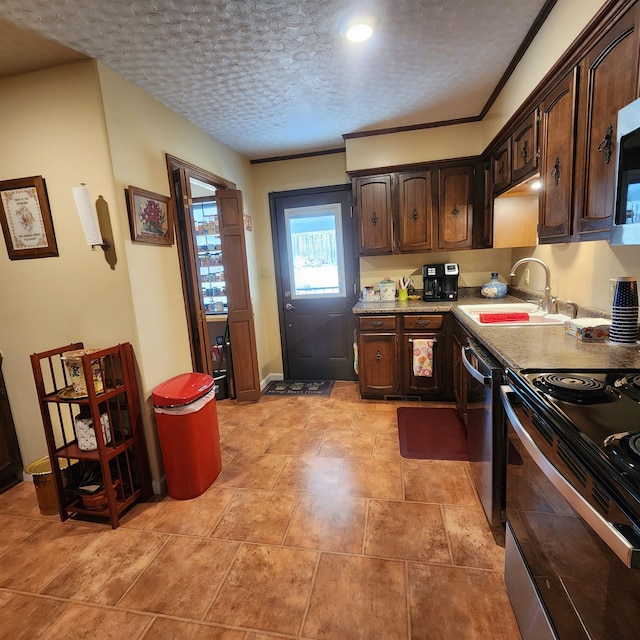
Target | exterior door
(316,274)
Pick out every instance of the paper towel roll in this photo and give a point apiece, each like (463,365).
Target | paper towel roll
(88,215)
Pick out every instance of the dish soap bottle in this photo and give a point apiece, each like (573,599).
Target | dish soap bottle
(494,288)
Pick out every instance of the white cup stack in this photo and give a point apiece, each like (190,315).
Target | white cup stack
(624,312)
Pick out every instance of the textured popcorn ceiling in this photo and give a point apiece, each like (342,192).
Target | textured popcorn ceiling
(275,77)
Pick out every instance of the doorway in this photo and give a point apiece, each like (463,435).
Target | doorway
(316,280)
(185,179)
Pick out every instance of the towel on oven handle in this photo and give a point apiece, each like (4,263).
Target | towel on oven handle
(423,358)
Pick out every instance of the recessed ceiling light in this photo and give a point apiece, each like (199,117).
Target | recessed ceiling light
(359,32)
(358,28)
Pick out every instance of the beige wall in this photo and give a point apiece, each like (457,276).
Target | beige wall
(141,131)
(83,123)
(285,175)
(53,126)
(566,21)
(581,271)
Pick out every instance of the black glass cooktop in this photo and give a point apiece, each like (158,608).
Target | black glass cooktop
(596,410)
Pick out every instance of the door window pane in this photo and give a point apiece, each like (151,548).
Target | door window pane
(315,252)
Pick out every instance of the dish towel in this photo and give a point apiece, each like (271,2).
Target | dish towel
(423,358)
(504,317)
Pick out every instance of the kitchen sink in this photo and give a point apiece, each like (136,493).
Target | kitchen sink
(536,316)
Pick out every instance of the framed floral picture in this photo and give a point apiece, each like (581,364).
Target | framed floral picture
(150,217)
(26,219)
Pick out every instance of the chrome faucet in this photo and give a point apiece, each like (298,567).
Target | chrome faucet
(546,301)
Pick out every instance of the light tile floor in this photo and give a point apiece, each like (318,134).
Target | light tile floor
(316,528)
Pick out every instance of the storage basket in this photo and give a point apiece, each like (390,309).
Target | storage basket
(73,363)
(86,435)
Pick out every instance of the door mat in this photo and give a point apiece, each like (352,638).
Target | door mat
(298,388)
(431,434)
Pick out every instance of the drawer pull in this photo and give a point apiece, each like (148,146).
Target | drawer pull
(376,323)
(378,356)
(422,323)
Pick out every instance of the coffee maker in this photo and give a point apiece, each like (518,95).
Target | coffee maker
(440,281)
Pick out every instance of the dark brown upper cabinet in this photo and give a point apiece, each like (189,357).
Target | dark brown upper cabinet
(415,211)
(428,208)
(374,214)
(483,215)
(558,115)
(394,212)
(455,210)
(608,79)
(524,149)
(579,119)
(501,163)
(516,159)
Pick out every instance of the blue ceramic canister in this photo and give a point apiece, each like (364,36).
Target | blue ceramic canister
(494,288)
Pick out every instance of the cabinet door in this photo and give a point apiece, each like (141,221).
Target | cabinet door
(372,197)
(483,214)
(501,163)
(558,117)
(524,149)
(378,364)
(608,81)
(415,211)
(455,212)
(422,385)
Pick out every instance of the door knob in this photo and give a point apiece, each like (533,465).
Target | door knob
(289,306)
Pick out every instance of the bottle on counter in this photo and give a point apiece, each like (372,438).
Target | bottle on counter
(494,288)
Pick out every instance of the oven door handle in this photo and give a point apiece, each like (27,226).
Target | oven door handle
(482,379)
(624,549)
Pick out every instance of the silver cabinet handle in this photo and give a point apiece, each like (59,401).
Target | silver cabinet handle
(603,528)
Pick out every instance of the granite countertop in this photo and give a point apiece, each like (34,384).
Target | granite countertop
(518,347)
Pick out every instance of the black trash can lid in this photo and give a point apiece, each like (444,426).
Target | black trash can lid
(182,389)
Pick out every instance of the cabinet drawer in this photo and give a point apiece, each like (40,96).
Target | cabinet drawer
(376,323)
(428,323)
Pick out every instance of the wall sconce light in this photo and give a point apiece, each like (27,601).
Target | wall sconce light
(97,228)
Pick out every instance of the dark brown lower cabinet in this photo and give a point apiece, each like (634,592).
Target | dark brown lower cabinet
(423,327)
(378,356)
(385,355)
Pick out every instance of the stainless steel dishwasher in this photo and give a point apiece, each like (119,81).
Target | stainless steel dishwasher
(486,428)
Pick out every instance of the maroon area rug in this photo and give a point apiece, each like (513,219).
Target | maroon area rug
(431,434)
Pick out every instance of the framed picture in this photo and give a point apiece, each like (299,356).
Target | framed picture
(26,219)
(150,217)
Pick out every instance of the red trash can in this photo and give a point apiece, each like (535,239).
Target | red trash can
(185,408)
